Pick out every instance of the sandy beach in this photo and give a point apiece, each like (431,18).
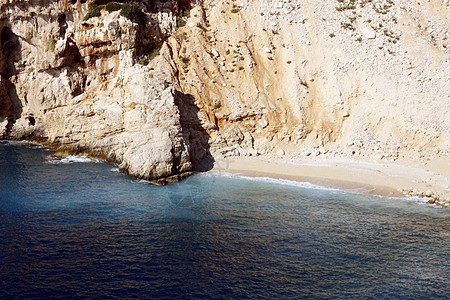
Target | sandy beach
(402,178)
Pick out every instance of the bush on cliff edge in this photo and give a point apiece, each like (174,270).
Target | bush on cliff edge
(94,11)
(133,11)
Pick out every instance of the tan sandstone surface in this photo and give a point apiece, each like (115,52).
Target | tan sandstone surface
(346,82)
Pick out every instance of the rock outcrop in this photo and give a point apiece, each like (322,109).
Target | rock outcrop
(75,85)
(289,78)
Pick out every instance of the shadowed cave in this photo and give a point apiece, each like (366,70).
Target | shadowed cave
(194,133)
(10,52)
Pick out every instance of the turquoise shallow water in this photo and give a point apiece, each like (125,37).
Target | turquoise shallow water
(76,228)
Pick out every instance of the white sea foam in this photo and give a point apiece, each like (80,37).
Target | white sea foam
(421,201)
(72,159)
(115,169)
(144,181)
(306,185)
(37,146)
(416,199)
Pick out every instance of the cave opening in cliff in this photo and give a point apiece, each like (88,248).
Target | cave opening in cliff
(62,23)
(9,51)
(31,120)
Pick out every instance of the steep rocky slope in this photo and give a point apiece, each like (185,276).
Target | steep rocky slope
(359,77)
(296,78)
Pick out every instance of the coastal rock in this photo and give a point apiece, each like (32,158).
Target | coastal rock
(244,79)
(82,92)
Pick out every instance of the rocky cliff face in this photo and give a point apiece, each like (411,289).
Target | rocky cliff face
(358,77)
(332,78)
(74,84)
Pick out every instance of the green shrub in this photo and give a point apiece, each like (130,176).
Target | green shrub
(185,13)
(94,11)
(153,53)
(113,6)
(133,11)
(145,59)
(180,21)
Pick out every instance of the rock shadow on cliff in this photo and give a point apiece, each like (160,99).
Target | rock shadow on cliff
(194,133)
(10,104)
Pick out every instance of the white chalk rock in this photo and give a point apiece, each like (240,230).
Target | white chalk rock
(280,152)
(368,33)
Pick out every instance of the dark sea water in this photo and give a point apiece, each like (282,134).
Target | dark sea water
(75,228)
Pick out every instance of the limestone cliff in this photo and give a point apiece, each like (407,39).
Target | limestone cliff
(331,78)
(347,77)
(73,82)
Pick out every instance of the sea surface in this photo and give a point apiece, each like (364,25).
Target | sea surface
(77,228)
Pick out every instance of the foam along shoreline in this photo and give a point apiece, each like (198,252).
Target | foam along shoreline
(72,159)
(384,179)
